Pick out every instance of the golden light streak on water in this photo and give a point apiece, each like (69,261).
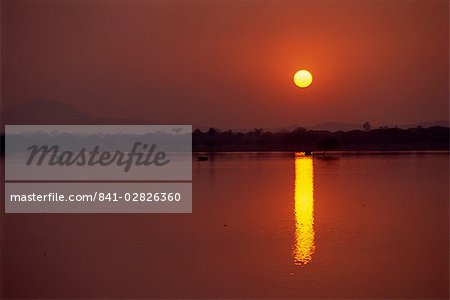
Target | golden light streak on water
(304,209)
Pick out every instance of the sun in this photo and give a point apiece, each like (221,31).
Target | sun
(303,78)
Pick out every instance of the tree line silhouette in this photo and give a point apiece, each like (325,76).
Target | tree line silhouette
(300,139)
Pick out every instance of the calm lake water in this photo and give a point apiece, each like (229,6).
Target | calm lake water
(263,225)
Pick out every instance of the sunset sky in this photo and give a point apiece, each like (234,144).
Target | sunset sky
(230,64)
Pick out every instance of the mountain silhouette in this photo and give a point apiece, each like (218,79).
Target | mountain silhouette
(42,112)
(336,126)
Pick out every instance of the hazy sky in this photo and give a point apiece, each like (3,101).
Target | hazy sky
(230,63)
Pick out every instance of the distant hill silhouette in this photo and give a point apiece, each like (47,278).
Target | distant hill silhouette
(425,124)
(42,112)
(338,136)
(338,126)
(335,126)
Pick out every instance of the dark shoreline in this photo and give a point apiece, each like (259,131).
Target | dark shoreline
(336,152)
(301,140)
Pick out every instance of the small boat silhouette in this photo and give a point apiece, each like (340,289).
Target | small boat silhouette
(202,158)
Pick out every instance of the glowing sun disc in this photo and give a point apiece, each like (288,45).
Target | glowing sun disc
(303,79)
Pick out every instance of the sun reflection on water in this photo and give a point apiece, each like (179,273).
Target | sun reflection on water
(304,210)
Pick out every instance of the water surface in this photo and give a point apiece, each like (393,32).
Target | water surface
(263,225)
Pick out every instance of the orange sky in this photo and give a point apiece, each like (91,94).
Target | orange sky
(230,63)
